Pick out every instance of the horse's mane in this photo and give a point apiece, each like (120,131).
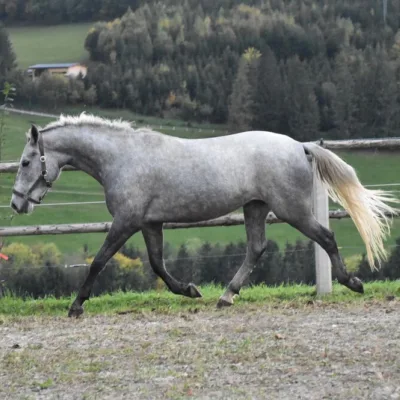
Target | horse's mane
(87,119)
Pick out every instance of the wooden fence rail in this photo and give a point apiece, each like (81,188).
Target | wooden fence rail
(98,227)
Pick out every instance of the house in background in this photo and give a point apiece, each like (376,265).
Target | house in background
(71,70)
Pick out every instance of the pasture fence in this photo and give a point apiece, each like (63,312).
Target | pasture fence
(320,205)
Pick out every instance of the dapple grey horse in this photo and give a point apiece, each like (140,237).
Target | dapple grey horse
(150,178)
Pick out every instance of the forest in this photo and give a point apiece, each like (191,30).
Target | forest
(299,67)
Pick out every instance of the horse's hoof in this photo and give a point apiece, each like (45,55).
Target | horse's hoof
(75,311)
(192,291)
(224,303)
(355,285)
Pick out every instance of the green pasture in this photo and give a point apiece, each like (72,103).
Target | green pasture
(373,168)
(49,44)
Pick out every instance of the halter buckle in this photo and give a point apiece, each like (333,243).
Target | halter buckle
(42,159)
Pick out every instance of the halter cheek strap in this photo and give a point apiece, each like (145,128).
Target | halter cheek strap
(42,176)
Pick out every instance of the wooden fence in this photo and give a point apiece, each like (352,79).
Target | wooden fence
(320,199)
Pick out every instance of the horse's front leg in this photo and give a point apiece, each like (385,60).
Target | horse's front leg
(153,236)
(119,233)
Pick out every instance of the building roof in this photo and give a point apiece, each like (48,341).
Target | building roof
(58,65)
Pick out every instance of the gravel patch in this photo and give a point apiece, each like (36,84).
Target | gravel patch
(314,352)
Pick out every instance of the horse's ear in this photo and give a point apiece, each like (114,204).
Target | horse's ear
(34,134)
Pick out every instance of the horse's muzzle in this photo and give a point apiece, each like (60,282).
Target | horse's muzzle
(20,205)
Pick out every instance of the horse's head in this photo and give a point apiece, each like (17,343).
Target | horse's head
(37,170)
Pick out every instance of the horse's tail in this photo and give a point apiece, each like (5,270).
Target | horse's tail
(367,208)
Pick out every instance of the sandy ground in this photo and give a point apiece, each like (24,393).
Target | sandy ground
(313,352)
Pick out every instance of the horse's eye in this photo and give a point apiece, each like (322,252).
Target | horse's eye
(25,163)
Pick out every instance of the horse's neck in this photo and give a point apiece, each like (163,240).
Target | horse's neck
(84,149)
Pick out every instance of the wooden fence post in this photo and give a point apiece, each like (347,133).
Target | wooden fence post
(323,268)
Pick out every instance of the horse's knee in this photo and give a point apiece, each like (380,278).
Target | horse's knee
(257,248)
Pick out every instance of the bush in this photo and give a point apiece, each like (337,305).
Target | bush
(20,255)
(38,271)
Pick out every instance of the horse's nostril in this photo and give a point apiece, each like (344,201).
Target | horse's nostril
(14,207)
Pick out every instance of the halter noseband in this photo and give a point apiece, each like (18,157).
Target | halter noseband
(42,176)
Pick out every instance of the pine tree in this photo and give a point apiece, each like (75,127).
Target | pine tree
(7,56)
(304,254)
(242,98)
(390,269)
(268,98)
(269,267)
(378,108)
(300,104)
(182,268)
(205,263)
(230,262)
(345,105)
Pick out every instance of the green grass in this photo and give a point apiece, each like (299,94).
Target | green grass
(166,302)
(49,44)
(372,168)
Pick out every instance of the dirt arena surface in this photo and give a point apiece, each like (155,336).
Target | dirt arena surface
(313,352)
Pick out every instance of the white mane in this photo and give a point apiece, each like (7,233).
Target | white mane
(87,119)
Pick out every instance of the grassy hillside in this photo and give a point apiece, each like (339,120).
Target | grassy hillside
(49,44)
(76,186)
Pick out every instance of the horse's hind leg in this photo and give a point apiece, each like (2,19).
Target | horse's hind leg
(153,236)
(310,227)
(255,213)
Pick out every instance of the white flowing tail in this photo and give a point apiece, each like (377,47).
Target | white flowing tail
(367,208)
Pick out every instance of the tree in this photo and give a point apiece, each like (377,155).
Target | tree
(52,91)
(300,103)
(20,255)
(90,96)
(8,92)
(378,109)
(269,94)
(7,56)
(304,256)
(206,265)
(182,268)
(231,260)
(390,269)
(344,104)
(241,106)
(269,267)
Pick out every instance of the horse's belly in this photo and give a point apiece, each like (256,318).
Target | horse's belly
(193,208)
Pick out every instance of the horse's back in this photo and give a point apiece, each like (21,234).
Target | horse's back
(273,146)
(271,153)
(194,179)
(255,164)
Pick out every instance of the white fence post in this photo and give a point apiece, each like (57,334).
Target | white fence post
(323,268)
